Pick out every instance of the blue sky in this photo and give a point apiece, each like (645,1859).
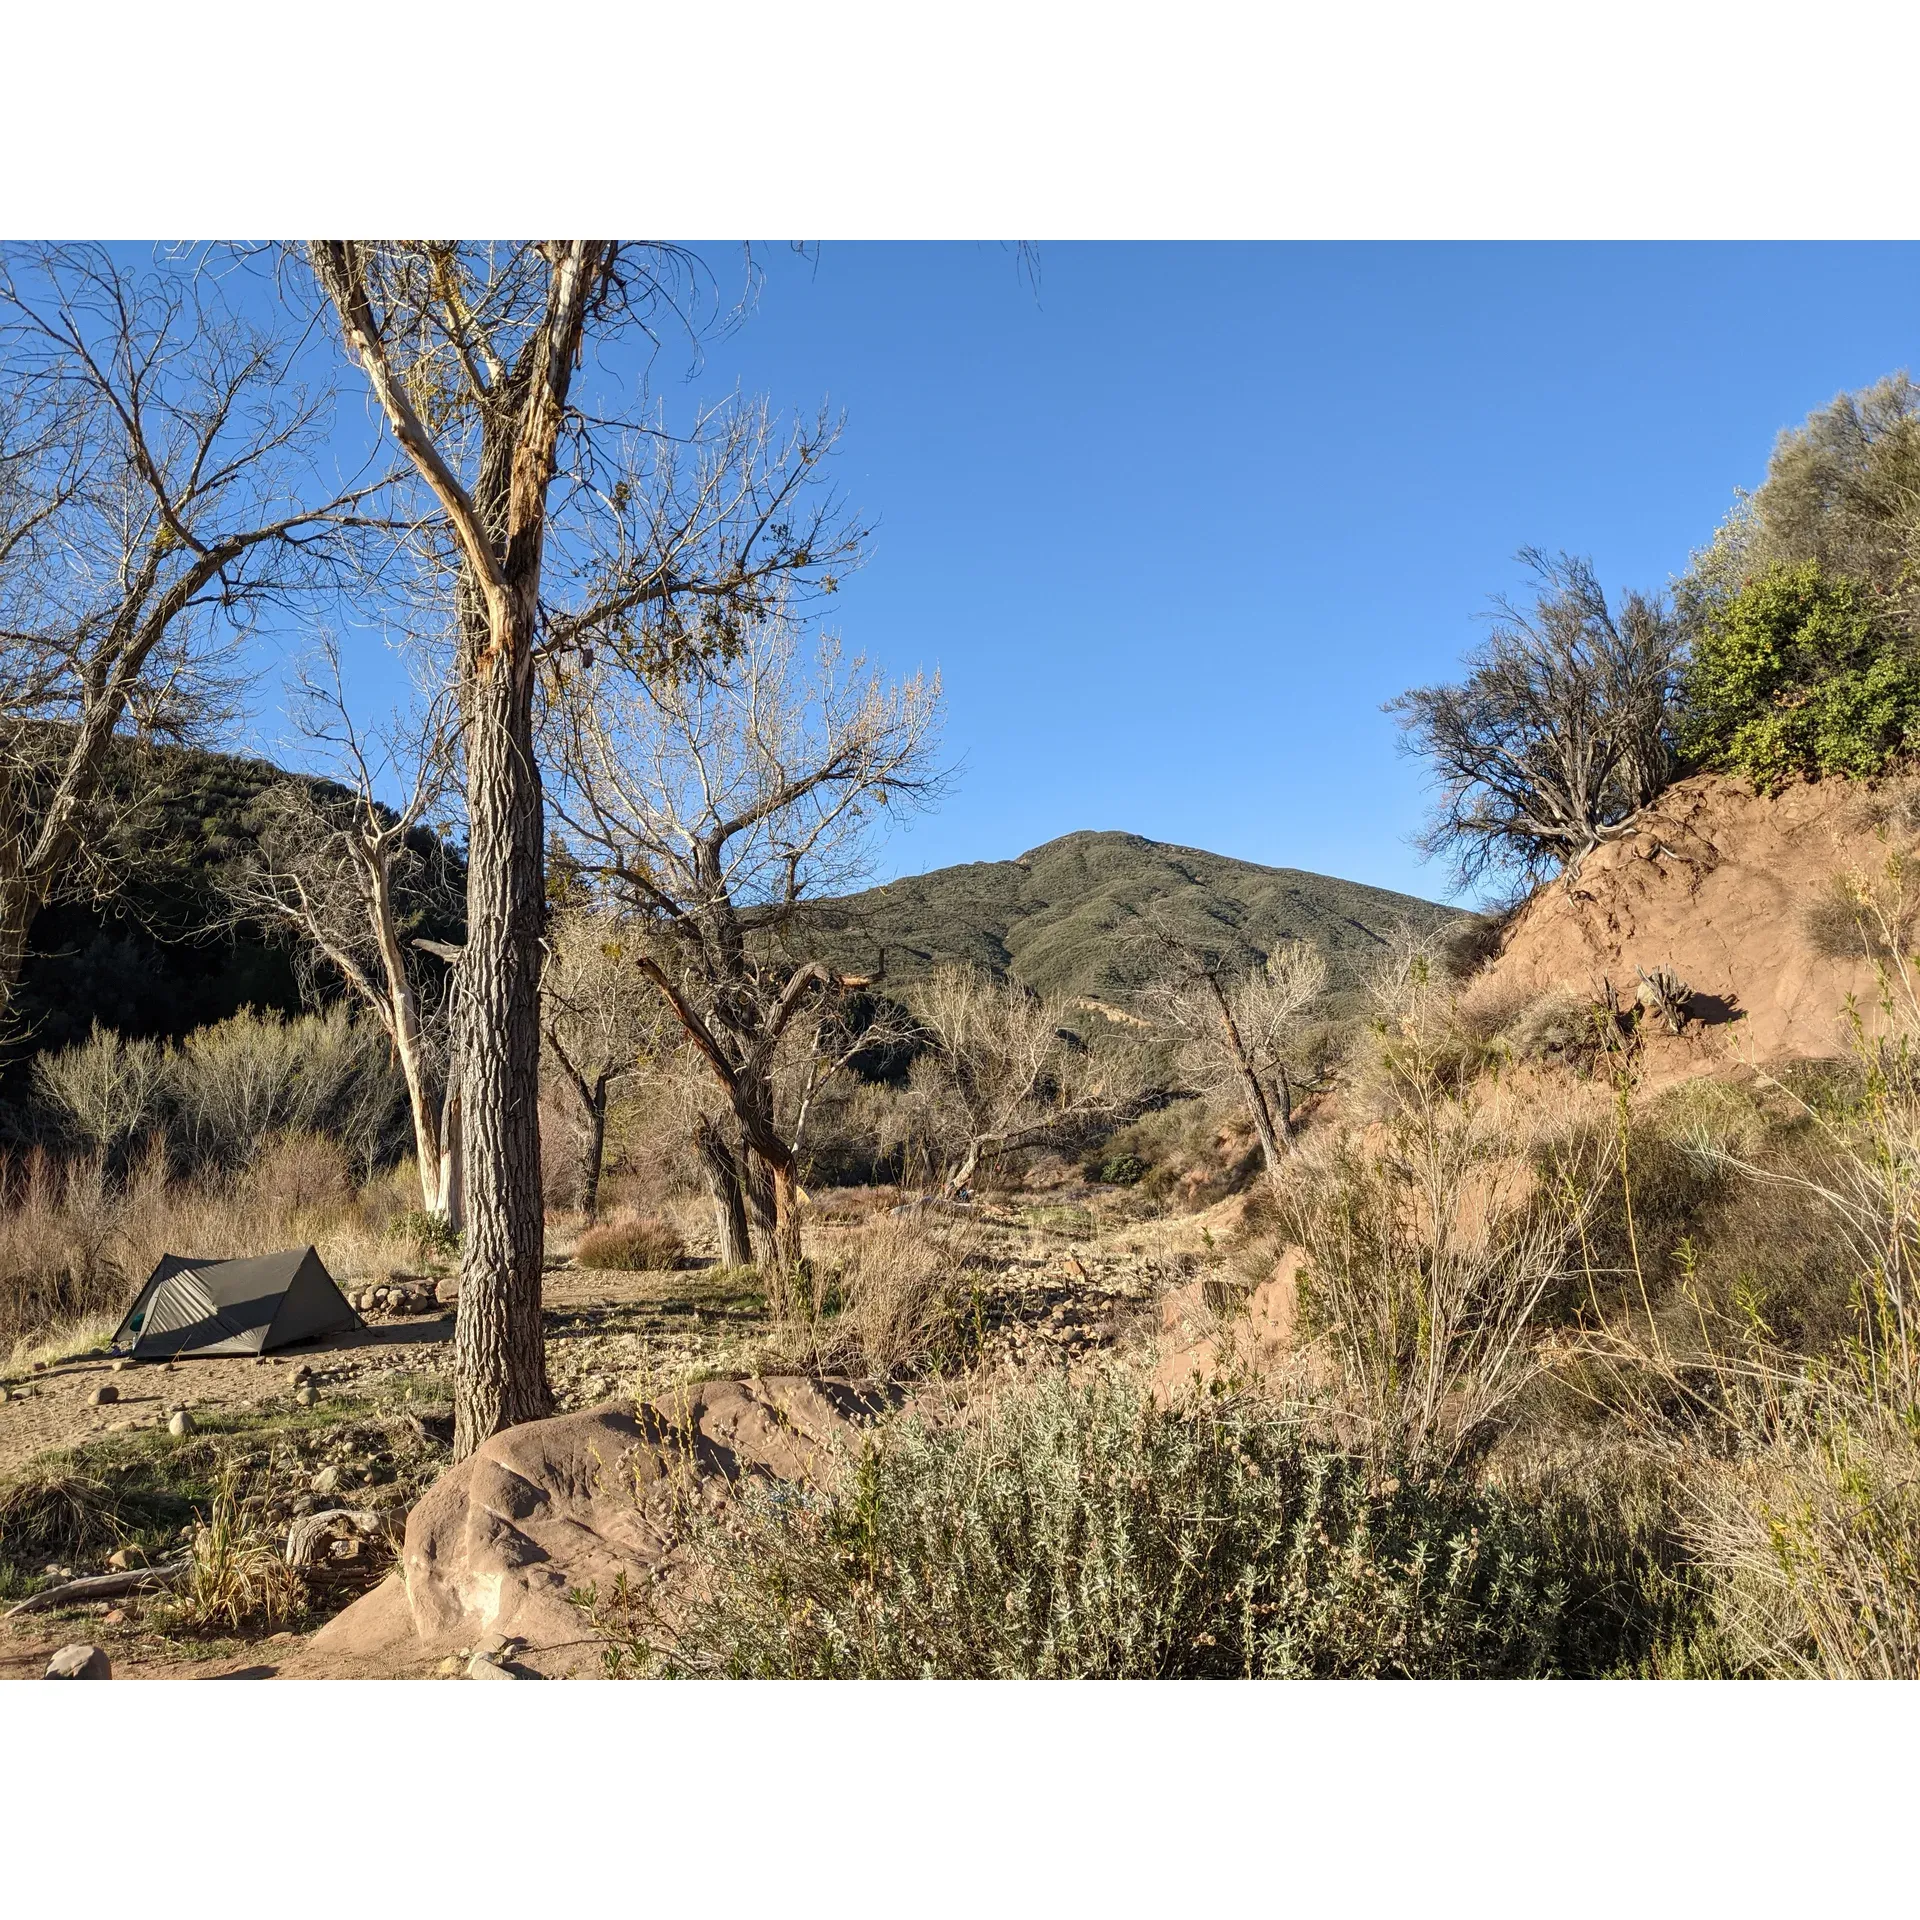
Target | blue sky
(1176,522)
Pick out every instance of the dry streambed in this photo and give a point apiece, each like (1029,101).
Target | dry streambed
(358,1426)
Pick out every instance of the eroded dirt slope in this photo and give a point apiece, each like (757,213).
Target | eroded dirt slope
(1734,891)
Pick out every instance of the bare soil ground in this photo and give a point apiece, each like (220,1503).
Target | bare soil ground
(1723,886)
(1058,1284)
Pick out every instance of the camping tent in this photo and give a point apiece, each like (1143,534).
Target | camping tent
(233,1306)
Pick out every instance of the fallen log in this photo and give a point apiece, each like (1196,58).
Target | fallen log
(305,1533)
(101,1586)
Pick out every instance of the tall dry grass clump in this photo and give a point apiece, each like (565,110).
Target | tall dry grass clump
(896,1297)
(1801,1471)
(646,1244)
(238,1575)
(1430,1238)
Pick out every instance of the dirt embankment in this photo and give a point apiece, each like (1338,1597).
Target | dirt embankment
(1736,892)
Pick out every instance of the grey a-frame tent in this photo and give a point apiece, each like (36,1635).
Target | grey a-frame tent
(233,1306)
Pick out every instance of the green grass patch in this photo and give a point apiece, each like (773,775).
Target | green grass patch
(1074,1223)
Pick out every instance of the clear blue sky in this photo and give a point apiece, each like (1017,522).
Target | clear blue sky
(1174,524)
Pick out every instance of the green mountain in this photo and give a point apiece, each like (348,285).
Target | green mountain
(1067,916)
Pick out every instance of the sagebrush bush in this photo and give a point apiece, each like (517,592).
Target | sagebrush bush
(228,1088)
(646,1244)
(1793,675)
(1075,1528)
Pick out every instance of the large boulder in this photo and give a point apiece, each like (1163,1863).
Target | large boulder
(494,1547)
(81,1661)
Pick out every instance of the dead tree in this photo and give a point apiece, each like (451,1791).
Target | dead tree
(713,805)
(159,485)
(1560,733)
(353,878)
(601,1024)
(1003,1072)
(1237,1028)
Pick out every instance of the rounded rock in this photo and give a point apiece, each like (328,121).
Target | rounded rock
(180,1424)
(103,1396)
(81,1661)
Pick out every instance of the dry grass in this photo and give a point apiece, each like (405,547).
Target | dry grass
(1432,1241)
(239,1576)
(647,1244)
(1863,915)
(1799,1461)
(74,1242)
(65,1341)
(895,1297)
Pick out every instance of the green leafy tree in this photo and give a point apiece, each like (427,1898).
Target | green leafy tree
(1793,674)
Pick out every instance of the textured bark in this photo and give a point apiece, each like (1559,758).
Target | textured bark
(756,1186)
(593,1150)
(786,1215)
(729,1199)
(500,1376)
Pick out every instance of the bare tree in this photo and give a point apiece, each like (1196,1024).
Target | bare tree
(560,531)
(108,1091)
(354,879)
(158,488)
(713,805)
(1559,734)
(1239,1029)
(1004,1072)
(601,1021)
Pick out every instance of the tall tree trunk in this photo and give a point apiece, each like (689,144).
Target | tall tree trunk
(1261,1114)
(453,1199)
(500,1376)
(962,1176)
(729,1200)
(756,1185)
(1259,1110)
(404,1022)
(786,1215)
(1283,1102)
(593,1148)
